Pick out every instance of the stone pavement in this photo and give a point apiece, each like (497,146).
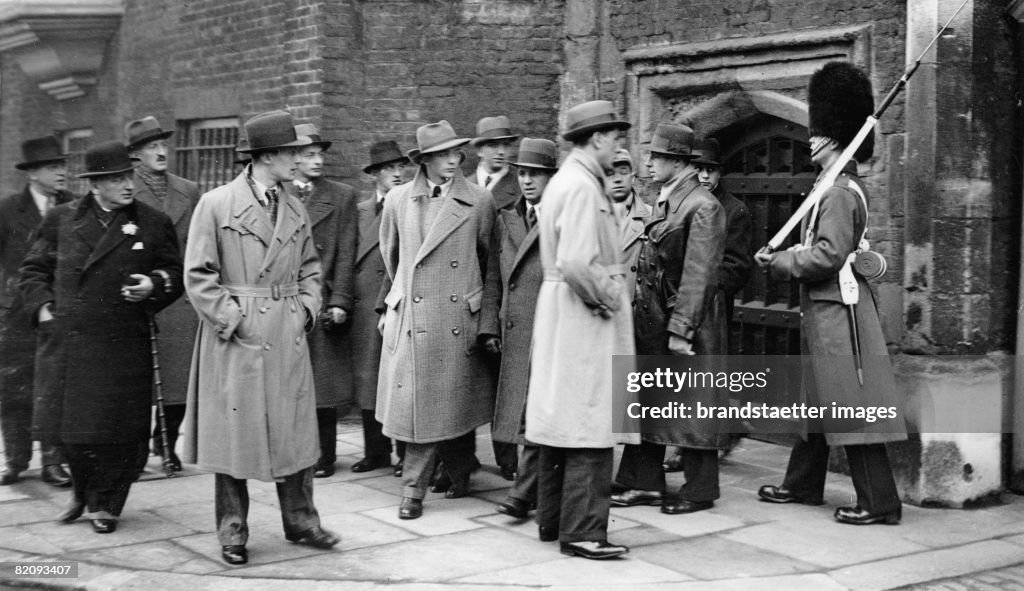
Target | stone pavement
(166,539)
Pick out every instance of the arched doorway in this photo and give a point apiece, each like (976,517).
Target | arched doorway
(766,164)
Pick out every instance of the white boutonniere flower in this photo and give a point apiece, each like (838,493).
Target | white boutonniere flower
(130,228)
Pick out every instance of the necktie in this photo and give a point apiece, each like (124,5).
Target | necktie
(437,192)
(487,182)
(531,217)
(272,205)
(305,192)
(380,206)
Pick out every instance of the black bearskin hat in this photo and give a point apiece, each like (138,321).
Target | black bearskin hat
(839,100)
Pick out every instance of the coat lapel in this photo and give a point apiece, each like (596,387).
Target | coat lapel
(451,215)
(529,241)
(289,220)
(319,205)
(247,211)
(177,202)
(369,228)
(634,228)
(28,218)
(110,237)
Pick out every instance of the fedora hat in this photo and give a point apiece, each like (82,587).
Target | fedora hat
(105,159)
(309,130)
(590,117)
(40,150)
(142,131)
(271,130)
(537,153)
(673,139)
(435,137)
(707,152)
(492,129)
(382,154)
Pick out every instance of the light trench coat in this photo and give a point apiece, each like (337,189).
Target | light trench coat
(251,401)
(569,402)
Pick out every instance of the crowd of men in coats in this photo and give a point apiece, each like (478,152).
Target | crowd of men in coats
(439,304)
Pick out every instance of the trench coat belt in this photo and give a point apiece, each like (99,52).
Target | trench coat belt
(611,270)
(275,290)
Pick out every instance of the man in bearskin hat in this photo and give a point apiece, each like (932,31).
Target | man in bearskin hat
(840,99)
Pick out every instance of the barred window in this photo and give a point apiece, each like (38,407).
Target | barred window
(76,142)
(206,151)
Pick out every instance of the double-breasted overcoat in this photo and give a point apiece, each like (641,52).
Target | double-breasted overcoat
(633,237)
(332,211)
(569,402)
(514,277)
(178,322)
(251,400)
(434,383)
(677,294)
(94,371)
(737,260)
(370,274)
(825,334)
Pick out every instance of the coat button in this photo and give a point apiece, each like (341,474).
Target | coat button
(455,264)
(263,309)
(633,269)
(417,299)
(512,286)
(509,324)
(266,347)
(453,297)
(380,271)
(419,265)
(455,330)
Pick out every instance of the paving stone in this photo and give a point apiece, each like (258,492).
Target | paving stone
(713,557)
(439,517)
(13,492)
(623,572)
(133,528)
(264,548)
(196,516)
(826,542)
(950,527)
(350,497)
(28,511)
(930,565)
(808,582)
(167,556)
(21,540)
(693,524)
(166,492)
(360,531)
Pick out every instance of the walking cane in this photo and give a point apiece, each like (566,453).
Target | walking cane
(159,389)
(832,174)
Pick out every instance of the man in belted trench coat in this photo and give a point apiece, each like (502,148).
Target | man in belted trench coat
(253,275)
(433,384)
(177,197)
(839,101)
(45,165)
(99,268)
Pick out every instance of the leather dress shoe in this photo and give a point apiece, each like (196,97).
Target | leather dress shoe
(104,526)
(674,463)
(55,475)
(397,473)
(441,482)
(507,471)
(175,462)
(371,463)
(514,507)
(683,506)
(323,470)
(778,494)
(593,550)
(458,489)
(9,476)
(547,533)
(410,508)
(855,515)
(633,497)
(316,537)
(73,511)
(235,554)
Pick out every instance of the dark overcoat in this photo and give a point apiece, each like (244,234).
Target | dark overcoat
(825,335)
(19,219)
(434,383)
(677,293)
(94,378)
(505,192)
(332,211)
(178,322)
(514,276)
(256,286)
(370,274)
(738,259)
(633,238)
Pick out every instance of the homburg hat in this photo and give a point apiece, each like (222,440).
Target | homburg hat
(106,159)
(142,131)
(270,131)
(39,151)
(382,154)
(673,139)
(839,100)
(537,153)
(435,137)
(707,152)
(589,117)
(492,129)
(309,130)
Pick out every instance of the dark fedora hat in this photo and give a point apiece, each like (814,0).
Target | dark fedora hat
(673,139)
(537,153)
(309,130)
(590,117)
(382,154)
(39,151)
(142,131)
(435,137)
(492,129)
(105,159)
(707,152)
(271,130)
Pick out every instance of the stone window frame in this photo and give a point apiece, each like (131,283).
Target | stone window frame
(205,150)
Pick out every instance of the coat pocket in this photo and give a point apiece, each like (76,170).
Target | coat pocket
(392,319)
(474,299)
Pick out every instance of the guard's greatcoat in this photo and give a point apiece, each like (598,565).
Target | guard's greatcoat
(251,402)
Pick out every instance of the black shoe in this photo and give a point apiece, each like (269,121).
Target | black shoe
(323,469)
(316,537)
(777,494)
(73,511)
(683,506)
(104,526)
(397,473)
(674,463)
(855,515)
(458,489)
(593,550)
(507,471)
(55,475)
(371,463)
(410,508)
(547,533)
(9,476)
(236,554)
(175,462)
(514,507)
(441,482)
(633,497)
